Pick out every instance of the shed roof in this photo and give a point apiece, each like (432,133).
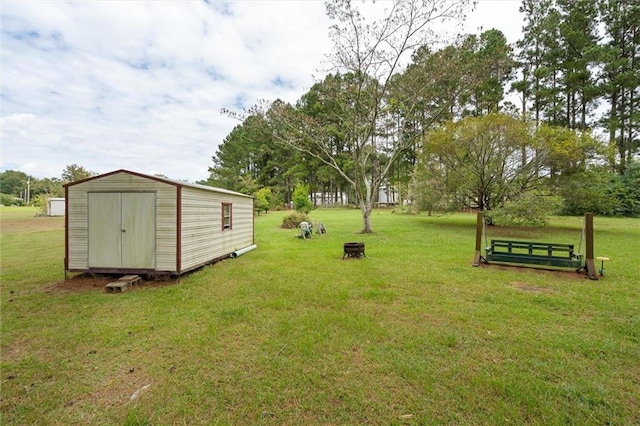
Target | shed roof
(161,179)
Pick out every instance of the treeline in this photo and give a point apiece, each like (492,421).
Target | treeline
(17,188)
(443,131)
(579,67)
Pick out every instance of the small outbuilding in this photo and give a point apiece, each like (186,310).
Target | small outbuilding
(55,207)
(131,223)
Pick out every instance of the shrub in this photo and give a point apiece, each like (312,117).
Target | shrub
(9,200)
(530,209)
(262,199)
(626,190)
(300,198)
(589,191)
(41,201)
(293,220)
(406,209)
(277,201)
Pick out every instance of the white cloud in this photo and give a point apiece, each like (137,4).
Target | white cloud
(16,122)
(502,15)
(140,85)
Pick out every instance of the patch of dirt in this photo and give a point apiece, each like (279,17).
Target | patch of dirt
(530,288)
(431,319)
(118,390)
(92,282)
(20,225)
(78,283)
(568,274)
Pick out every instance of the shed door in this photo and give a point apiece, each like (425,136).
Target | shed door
(122,230)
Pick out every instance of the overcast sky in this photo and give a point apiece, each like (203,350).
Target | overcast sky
(139,85)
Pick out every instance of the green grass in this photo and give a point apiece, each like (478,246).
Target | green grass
(291,334)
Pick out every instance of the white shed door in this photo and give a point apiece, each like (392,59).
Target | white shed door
(122,230)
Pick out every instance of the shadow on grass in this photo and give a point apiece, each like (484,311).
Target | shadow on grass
(91,282)
(560,273)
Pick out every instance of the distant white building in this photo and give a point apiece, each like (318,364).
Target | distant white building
(55,207)
(329,199)
(388,195)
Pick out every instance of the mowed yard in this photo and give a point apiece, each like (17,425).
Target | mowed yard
(290,334)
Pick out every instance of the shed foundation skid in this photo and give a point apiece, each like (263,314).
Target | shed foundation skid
(122,284)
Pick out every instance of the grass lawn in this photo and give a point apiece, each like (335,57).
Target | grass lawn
(290,334)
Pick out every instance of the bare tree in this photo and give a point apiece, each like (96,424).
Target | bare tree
(368,122)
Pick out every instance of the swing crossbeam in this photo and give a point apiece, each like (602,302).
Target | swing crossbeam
(533,253)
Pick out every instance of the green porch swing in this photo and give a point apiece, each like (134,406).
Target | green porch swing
(537,253)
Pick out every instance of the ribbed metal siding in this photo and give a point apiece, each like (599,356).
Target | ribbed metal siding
(202,237)
(78,217)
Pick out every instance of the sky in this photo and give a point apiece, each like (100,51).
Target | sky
(140,85)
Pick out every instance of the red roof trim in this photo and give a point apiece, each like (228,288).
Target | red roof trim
(156,178)
(177,184)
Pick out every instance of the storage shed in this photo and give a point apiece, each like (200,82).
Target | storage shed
(55,207)
(131,223)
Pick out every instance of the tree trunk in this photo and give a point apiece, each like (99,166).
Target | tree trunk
(366,217)
(366,206)
(480,201)
(622,150)
(633,123)
(612,128)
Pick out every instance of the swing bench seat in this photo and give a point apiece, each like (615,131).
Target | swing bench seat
(533,253)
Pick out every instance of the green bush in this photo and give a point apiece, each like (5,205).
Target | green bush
(603,192)
(410,209)
(277,201)
(41,201)
(626,190)
(293,220)
(9,200)
(262,200)
(530,209)
(588,191)
(300,198)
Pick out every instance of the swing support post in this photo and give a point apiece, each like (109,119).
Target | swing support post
(589,265)
(479,227)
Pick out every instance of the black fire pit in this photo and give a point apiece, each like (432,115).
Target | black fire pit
(353,250)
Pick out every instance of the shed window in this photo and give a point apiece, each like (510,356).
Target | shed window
(226,216)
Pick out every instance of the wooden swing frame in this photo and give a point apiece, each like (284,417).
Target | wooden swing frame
(537,253)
